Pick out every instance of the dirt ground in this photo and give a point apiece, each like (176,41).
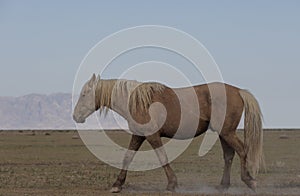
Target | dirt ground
(58,163)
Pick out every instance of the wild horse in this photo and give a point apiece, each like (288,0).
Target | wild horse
(133,100)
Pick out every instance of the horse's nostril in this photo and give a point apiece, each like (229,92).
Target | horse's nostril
(78,119)
(74,118)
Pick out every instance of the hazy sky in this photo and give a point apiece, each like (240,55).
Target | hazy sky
(256,44)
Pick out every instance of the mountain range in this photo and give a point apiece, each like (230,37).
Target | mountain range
(54,111)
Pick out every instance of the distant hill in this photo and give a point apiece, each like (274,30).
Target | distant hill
(38,111)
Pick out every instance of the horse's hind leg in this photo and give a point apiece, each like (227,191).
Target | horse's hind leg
(228,154)
(135,143)
(233,141)
(157,145)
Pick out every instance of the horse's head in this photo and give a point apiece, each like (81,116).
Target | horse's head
(86,103)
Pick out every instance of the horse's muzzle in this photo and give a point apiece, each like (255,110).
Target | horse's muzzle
(78,120)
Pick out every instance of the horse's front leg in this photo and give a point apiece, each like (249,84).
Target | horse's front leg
(135,143)
(156,143)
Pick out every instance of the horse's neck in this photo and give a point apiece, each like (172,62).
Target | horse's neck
(119,101)
(118,94)
(119,104)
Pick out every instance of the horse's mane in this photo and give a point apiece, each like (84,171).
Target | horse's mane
(139,94)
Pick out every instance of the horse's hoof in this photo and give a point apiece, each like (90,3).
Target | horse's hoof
(252,185)
(222,187)
(172,188)
(168,192)
(115,189)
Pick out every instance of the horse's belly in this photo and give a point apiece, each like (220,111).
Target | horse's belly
(185,130)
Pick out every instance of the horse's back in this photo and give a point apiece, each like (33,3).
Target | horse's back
(190,110)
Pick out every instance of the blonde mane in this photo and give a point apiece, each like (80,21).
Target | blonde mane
(139,95)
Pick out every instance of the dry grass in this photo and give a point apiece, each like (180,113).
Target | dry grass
(59,164)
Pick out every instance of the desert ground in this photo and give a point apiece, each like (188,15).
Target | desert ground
(58,163)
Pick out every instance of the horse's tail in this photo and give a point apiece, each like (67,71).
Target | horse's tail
(253,133)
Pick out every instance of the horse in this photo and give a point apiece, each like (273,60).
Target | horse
(133,100)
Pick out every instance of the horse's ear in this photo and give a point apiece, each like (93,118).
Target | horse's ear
(93,77)
(98,77)
(92,80)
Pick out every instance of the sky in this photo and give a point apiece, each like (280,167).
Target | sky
(255,44)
